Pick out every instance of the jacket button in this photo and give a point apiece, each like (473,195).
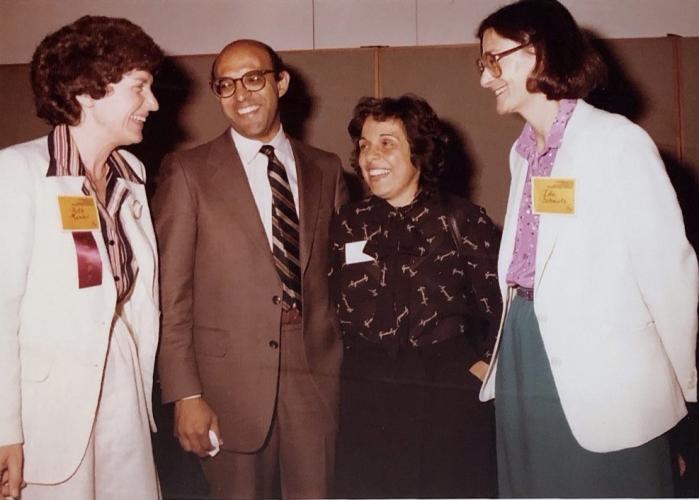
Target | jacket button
(277,299)
(273,344)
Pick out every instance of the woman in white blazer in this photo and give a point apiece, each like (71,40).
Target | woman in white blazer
(78,287)
(596,355)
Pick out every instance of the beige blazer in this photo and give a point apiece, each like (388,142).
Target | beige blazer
(615,290)
(221,323)
(53,335)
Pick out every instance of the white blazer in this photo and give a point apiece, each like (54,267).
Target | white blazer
(615,290)
(53,335)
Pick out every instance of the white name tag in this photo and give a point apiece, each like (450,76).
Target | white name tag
(354,252)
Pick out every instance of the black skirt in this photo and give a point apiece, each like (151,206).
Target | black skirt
(411,424)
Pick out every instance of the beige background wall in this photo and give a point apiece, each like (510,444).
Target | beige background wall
(188,27)
(653,81)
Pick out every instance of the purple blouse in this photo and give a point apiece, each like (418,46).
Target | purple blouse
(522,266)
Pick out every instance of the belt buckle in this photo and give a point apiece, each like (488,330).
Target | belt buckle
(291,315)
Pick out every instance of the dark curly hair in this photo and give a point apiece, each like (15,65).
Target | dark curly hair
(427,140)
(84,58)
(567,66)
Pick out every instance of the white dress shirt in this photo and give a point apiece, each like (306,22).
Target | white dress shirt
(255,165)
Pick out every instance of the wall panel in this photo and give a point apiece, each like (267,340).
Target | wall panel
(642,86)
(447,78)
(332,81)
(19,122)
(689,88)
(326,85)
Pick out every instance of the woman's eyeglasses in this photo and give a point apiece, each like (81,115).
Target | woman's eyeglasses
(253,81)
(491,61)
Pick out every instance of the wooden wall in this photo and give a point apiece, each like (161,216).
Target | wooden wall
(654,81)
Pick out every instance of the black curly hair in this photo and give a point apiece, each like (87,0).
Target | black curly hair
(427,140)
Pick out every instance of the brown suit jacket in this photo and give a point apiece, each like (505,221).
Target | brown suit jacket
(220,325)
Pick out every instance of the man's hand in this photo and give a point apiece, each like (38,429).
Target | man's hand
(11,461)
(193,419)
(479,369)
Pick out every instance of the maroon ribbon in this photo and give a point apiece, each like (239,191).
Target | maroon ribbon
(89,260)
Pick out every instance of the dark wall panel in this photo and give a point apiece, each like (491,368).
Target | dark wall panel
(642,86)
(447,78)
(18,123)
(332,81)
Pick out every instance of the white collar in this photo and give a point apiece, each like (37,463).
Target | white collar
(248,148)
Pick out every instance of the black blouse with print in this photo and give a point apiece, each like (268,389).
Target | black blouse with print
(413,287)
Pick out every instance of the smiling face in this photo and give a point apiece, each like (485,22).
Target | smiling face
(510,87)
(384,159)
(119,116)
(254,115)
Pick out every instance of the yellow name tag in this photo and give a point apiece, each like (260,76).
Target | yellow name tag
(551,195)
(78,213)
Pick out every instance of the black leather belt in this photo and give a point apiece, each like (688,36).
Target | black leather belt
(525,293)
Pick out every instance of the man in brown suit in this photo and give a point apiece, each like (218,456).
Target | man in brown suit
(247,351)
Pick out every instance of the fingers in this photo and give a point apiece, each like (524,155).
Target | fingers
(681,465)
(193,439)
(184,440)
(193,419)
(15,479)
(11,460)
(479,369)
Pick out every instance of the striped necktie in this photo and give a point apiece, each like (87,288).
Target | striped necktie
(285,231)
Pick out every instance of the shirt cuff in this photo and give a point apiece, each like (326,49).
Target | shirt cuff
(194,396)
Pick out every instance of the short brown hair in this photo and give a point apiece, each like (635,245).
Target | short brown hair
(84,57)
(423,129)
(567,66)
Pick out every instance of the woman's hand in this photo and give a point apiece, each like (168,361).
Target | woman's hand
(479,369)
(11,461)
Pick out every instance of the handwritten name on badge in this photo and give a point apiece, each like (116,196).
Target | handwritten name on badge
(78,213)
(551,195)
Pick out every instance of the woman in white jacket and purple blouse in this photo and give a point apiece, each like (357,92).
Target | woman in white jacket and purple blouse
(596,355)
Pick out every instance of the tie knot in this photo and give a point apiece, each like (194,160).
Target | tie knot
(267,150)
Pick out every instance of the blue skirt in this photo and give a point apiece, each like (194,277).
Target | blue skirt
(537,455)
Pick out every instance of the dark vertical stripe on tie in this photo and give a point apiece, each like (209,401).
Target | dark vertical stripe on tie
(285,230)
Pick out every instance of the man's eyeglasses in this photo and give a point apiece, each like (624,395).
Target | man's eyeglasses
(490,61)
(254,81)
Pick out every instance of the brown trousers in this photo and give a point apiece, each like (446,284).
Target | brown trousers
(298,458)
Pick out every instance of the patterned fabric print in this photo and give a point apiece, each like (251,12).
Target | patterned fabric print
(285,231)
(65,161)
(418,290)
(522,267)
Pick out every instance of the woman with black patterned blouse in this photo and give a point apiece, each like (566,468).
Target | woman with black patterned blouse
(414,281)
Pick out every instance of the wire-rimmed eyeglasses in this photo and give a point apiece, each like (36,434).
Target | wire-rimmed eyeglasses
(491,61)
(253,81)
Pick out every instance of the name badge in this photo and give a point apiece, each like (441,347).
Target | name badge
(551,195)
(78,213)
(354,252)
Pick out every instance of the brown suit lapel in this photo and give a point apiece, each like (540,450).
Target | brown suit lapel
(230,185)
(310,182)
